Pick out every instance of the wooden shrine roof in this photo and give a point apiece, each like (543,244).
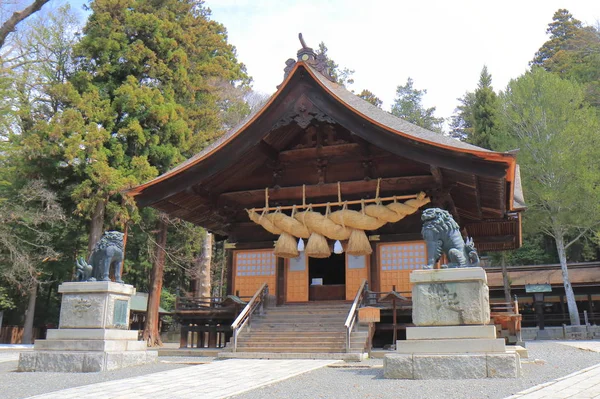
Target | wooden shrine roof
(213,187)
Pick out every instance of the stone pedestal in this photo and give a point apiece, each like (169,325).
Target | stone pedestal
(452,339)
(450,297)
(93,332)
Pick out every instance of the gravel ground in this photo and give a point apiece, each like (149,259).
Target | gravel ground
(15,385)
(547,361)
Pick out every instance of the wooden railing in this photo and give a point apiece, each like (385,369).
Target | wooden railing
(353,313)
(256,303)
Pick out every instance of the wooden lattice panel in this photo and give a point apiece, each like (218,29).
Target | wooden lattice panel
(297,279)
(252,269)
(397,260)
(357,269)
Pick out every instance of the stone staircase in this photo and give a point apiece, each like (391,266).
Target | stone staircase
(311,330)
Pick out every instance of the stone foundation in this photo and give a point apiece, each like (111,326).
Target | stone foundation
(92,334)
(451,366)
(452,339)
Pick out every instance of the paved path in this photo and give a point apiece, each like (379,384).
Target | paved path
(579,385)
(219,379)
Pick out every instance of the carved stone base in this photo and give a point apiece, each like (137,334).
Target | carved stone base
(93,334)
(100,304)
(450,297)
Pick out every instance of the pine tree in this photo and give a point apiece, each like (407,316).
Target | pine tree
(342,76)
(407,105)
(370,97)
(562,28)
(485,108)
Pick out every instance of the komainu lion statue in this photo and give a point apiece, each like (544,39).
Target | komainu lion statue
(442,235)
(107,251)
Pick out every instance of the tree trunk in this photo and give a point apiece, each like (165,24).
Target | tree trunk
(10,24)
(29,314)
(204,284)
(571,304)
(96,225)
(151,334)
(505,278)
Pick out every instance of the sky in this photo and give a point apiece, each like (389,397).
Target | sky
(441,44)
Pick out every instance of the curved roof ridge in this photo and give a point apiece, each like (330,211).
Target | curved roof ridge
(356,104)
(378,115)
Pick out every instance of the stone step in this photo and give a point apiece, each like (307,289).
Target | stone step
(299,339)
(285,316)
(294,349)
(311,311)
(349,357)
(293,327)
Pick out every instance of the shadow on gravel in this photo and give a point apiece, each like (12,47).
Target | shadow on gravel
(375,373)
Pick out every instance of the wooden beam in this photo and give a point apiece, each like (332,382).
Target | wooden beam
(437,175)
(268,151)
(396,184)
(337,150)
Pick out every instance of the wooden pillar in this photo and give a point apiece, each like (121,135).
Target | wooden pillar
(539,308)
(229,263)
(590,309)
(374,284)
(280,289)
(183,339)
(212,337)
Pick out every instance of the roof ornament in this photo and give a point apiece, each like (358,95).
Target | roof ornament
(307,54)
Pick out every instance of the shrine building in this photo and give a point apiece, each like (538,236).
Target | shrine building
(315,142)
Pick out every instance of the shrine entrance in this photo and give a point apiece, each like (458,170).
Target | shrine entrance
(327,278)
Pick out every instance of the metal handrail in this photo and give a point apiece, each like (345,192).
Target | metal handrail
(351,319)
(257,302)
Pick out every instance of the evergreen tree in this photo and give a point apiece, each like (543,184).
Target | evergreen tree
(484,116)
(342,76)
(562,28)
(461,123)
(407,105)
(371,98)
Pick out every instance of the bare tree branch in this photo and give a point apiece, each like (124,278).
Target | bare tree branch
(11,23)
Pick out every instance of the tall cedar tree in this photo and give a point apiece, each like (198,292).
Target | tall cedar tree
(155,68)
(559,139)
(573,52)
(407,105)
(144,97)
(484,116)
(562,28)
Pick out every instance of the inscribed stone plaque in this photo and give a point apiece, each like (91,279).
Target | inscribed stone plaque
(120,315)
